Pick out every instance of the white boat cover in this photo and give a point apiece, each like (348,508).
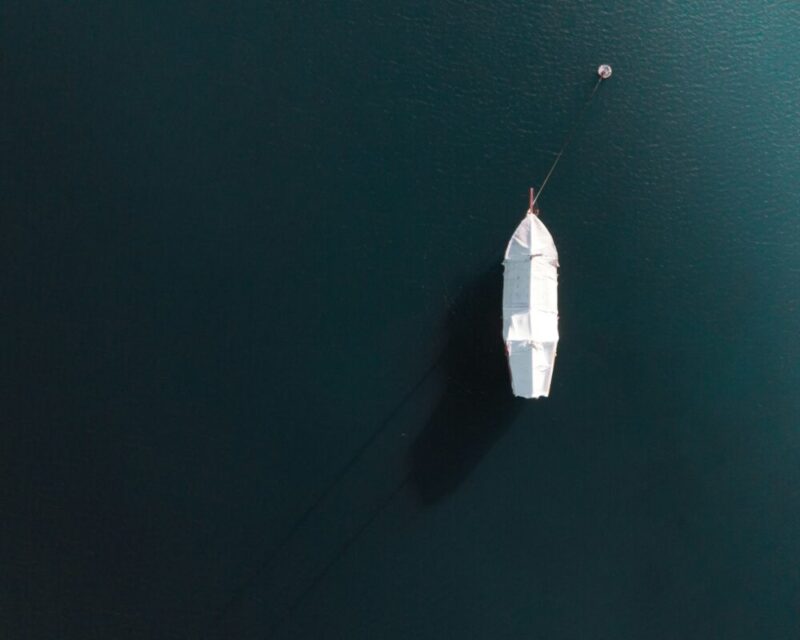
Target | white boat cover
(530,307)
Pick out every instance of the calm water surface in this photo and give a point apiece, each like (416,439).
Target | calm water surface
(249,265)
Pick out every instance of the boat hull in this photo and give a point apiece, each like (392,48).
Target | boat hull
(530,308)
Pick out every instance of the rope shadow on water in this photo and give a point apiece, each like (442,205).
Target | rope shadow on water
(263,567)
(475,409)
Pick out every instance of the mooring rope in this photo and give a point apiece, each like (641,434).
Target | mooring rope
(568,139)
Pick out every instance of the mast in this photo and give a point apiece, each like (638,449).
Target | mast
(532,208)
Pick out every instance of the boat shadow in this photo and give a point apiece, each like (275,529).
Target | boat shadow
(476,406)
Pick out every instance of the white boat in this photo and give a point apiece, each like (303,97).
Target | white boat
(530,306)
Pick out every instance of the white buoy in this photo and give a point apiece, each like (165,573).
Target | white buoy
(604,71)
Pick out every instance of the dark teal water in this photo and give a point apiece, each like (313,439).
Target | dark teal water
(246,269)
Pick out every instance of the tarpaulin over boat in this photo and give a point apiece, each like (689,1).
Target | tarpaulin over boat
(530,307)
